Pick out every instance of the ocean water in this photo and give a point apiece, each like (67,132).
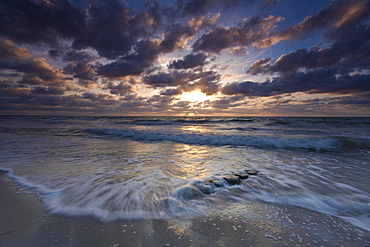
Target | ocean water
(167,167)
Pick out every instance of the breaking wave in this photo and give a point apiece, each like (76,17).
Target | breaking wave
(259,141)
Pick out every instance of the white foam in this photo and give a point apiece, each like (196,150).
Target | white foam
(263,141)
(160,197)
(27,183)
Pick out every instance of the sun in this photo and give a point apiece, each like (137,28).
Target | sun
(194,96)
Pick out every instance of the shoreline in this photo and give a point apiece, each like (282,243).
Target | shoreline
(25,222)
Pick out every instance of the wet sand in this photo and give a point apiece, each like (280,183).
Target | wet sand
(24,222)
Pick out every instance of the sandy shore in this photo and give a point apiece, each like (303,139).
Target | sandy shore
(24,222)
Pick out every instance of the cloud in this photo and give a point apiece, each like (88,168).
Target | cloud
(93,57)
(179,34)
(106,26)
(194,7)
(120,88)
(314,81)
(113,30)
(81,70)
(49,90)
(10,51)
(189,61)
(164,79)
(146,52)
(246,33)
(172,91)
(206,81)
(225,102)
(34,80)
(339,15)
(36,71)
(35,22)
(259,66)
(85,72)
(9,88)
(238,51)
(77,56)
(350,50)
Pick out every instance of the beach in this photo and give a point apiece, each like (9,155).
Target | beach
(184,123)
(24,222)
(171,181)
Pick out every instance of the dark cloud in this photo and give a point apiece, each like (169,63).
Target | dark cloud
(83,70)
(79,56)
(49,90)
(163,100)
(206,81)
(34,22)
(227,102)
(87,83)
(120,88)
(106,98)
(8,88)
(196,7)
(178,35)
(146,52)
(106,26)
(120,69)
(10,51)
(34,76)
(258,66)
(252,30)
(113,30)
(54,53)
(172,91)
(189,61)
(98,53)
(36,71)
(164,79)
(302,58)
(349,50)
(348,101)
(315,81)
(193,6)
(340,15)
(332,70)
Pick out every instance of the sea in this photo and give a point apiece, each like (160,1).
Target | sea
(181,167)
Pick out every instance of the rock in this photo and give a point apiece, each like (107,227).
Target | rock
(188,193)
(172,228)
(242,175)
(204,188)
(199,189)
(251,172)
(217,182)
(232,180)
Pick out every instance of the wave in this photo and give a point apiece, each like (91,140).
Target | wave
(259,141)
(185,120)
(146,197)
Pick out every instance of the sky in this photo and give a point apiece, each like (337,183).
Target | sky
(185,57)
